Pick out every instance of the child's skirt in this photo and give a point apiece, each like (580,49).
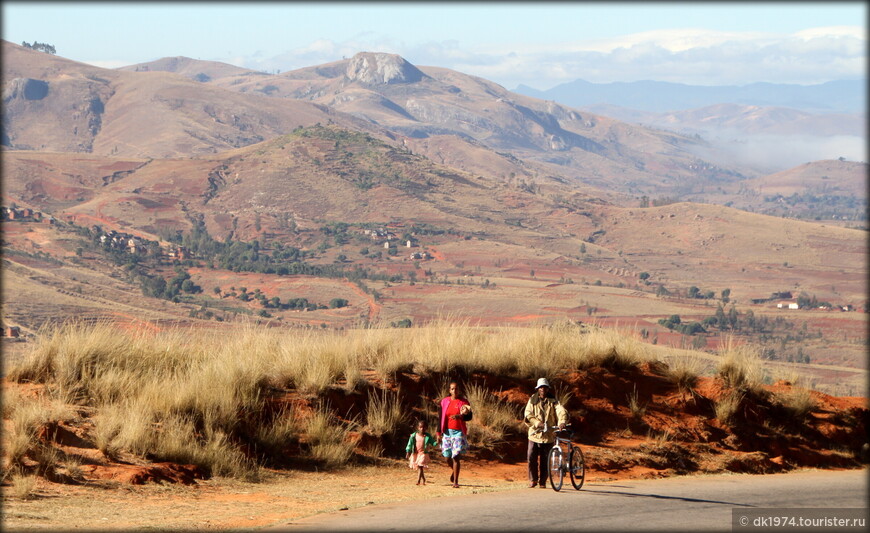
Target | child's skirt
(417,460)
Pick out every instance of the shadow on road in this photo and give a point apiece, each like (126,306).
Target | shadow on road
(662,497)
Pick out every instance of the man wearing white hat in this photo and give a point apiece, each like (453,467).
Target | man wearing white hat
(543,415)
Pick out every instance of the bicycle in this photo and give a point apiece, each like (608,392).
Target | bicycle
(575,466)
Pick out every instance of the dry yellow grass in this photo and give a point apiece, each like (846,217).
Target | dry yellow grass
(683,371)
(28,416)
(798,402)
(493,417)
(635,405)
(190,396)
(727,406)
(329,441)
(23,486)
(384,413)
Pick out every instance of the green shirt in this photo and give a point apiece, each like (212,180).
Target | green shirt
(427,441)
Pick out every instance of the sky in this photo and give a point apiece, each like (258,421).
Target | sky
(539,44)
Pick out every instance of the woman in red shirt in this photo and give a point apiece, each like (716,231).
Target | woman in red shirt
(455,410)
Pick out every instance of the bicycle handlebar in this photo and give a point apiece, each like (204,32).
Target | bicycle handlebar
(565,434)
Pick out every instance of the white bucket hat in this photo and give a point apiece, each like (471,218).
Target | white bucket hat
(542,383)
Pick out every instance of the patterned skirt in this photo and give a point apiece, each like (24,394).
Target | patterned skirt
(453,443)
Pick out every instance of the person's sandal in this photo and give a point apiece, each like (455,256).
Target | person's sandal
(533,485)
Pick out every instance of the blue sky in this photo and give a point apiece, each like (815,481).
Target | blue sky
(539,44)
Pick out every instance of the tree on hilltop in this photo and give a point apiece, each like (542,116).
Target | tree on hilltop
(40,47)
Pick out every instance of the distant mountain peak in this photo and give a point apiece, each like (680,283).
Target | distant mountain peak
(376,68)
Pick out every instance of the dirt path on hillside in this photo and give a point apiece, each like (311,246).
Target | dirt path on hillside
(437,255)
(374,307)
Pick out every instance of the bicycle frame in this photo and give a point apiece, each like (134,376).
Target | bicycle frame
(575,466)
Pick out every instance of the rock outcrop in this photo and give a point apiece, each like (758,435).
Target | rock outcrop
(382,69)
(26,88)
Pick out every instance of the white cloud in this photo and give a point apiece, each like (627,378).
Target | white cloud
(687,55)
(322,46)
(832,31)
(107,63)
(677,40)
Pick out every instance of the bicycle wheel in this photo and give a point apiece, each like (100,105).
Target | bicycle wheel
(577,467)
(557,472)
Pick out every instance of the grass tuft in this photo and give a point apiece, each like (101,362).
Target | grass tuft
(23,486)
(329,441)
(683,371)
(637,408)
(741,367)
(798,403)
(727,407)
(563,394)
(384,413)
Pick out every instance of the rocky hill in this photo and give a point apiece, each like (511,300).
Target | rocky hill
(148,114)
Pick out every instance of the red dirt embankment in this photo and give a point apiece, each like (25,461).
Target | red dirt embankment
(630,422)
